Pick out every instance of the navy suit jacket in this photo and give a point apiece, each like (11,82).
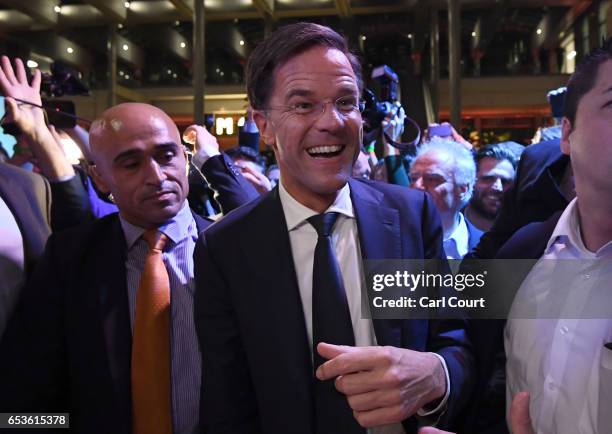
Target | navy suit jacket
(68,346)
(257,372)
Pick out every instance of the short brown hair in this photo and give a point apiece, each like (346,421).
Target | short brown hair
(283,44)
(585,77)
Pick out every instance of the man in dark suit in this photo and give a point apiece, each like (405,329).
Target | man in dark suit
(25,206)
(285,347)
(90,317)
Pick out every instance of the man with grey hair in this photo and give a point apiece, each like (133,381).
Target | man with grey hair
(446,170)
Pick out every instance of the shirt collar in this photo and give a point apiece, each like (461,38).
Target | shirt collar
(460,236)
(296,213)
(568,230)
(176,229)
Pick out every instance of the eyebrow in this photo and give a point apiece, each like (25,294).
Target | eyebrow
(133,152)
(298,92)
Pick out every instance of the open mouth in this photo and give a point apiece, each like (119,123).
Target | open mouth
(325,151)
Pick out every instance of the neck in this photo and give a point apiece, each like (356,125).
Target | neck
(315,201)
(480,221)
(449,223)
(595,219)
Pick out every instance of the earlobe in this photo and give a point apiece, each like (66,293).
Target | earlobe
(566,131)
(265,128)
(95,175)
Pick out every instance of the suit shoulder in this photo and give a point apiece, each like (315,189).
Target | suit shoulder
(86,233)
(236,218)
(529,241)
(25,177)
(394,192)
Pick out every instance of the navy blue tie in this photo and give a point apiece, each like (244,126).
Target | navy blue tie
(331,323)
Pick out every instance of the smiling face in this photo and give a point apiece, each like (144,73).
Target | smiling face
(493,179)
(315,153)
(140,160)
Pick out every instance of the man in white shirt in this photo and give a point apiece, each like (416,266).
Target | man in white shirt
(286,346)
(446,170)
(562,356)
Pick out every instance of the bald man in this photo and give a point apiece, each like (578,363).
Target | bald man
(76,343)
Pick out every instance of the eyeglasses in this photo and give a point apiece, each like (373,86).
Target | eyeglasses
(345,106)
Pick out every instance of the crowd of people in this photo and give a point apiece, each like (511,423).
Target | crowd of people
(151,288)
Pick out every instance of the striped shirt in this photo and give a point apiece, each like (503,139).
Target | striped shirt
(182,235)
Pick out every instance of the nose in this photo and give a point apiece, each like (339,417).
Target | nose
(497,185)
(418,184)
(329,119)
(155,175)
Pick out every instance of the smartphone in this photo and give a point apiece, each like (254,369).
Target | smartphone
(443,130)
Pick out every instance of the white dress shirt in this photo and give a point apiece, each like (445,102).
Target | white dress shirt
(303,239)
(456,245)
(561,360)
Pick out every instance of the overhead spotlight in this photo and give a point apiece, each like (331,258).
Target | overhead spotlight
(32,63)
(127,77)
(241,42)
(217,70)
(363,37)
(235,20)
(473,34)
(127,5)
(121,73)
(70,50)
(409,35)
(169,71)
(125,47)
(177,23)
(175,75)
(57,9)
(222,73)
(539,31)
(120,26)
(183,45)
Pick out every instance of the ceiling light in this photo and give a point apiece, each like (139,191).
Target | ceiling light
(169,71)
(409,35)
(241,42)
(175,75)
(32,63)
(539,31)
(183,45)
(70,50)
(217,70)
(127,5)
(222,73)
(125,47)
(120,26)
(127,77)
(121,73)
(57,9)
(363,37)
(177,23)
(473,34)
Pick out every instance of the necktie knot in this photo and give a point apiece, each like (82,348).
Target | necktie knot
(155,239)
(323,223)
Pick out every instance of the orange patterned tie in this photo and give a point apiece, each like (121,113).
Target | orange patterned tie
(151,391)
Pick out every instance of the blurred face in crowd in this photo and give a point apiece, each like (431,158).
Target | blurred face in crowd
(589,140)
(140,160)
(493,178)
(315,151)
(361,169)
(433,172)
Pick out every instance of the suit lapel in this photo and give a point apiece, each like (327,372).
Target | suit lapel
(278,293)
(109,276)
(379,238)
